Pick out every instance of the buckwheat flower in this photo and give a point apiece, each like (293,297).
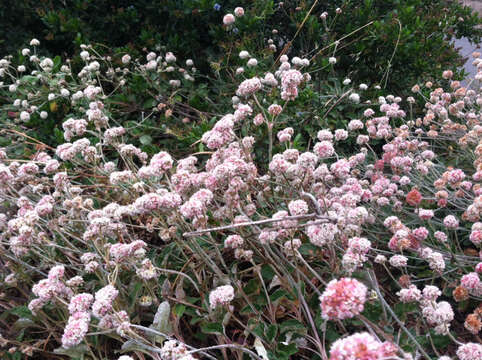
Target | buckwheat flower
(324,135)
(451,222)
(285,134)
(321,234)
(151,65)
(233,241)
(431,293)
(252,62)
(26,52)
(341,134)
(249,87)
(174,350)
(361,346)
(346,81)
(75,281)
(380,259)
(298,207)
(267,237)
(409,295)
(126,59)
(34,42)
(425,214)
(147,270)
(125,357)
(290,247)
(239,12)
(368,112)
(355,125)
(354,97)
(473,324)
(76,328)
(343,299)
(47,64)
(470,351)
(398,261)
(244,54)
(228,19)
(332,60)
(324,149)
(222,295)
(84,55)
(56,273)
(476,234)
(447,74)
(471,282)
(103,301)
(274,109)
(24,116)
(438,314)
(80,302)
(35,305)
(359,245)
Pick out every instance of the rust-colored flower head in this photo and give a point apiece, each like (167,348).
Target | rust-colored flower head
(473,323)
(413,197)
(404,281)
(460,293)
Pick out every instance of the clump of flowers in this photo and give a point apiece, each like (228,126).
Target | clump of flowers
(221,296)
(343,299)
(361,346)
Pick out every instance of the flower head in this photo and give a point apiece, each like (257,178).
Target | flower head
(343,299)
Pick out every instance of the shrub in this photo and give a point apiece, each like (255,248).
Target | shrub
(48,100)
(393,43)
(331,250)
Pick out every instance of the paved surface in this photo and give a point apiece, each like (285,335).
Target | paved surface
(465,47)
(475,4)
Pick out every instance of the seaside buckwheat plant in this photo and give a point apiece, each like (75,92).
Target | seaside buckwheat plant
(363,245)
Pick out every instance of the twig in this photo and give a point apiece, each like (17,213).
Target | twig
(400,323)
(250,223)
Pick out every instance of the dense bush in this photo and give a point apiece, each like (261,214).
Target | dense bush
(383,44)
(403,41)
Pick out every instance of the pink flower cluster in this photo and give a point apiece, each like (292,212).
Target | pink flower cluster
(343,299)
(361,346)
(249,87)
(222,295)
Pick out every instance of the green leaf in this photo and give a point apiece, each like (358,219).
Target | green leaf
(161,320)
(21,311)
(271,332)
(278,294)
(287,350)
(145,139)
(179,309)
(292,325)
(22,323)
(212,328)
(73,352)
